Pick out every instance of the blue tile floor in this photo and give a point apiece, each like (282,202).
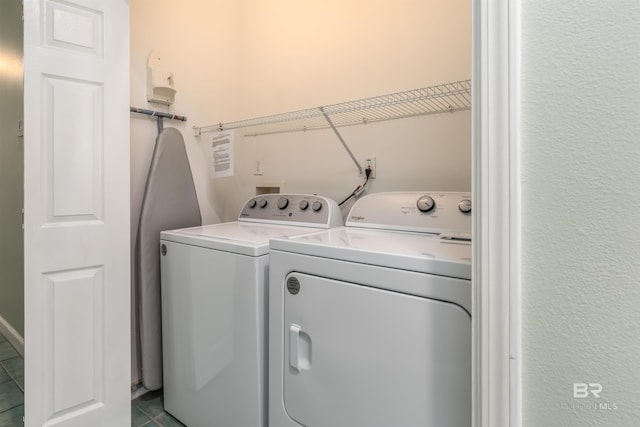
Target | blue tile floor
(147,410)
(11,385)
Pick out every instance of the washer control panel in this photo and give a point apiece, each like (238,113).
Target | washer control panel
(295,209)
(435,212)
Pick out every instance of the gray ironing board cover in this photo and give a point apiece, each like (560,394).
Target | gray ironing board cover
(169,202)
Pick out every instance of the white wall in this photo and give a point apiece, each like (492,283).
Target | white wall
(581,211)
(11,168)
(235,60)
(429,152)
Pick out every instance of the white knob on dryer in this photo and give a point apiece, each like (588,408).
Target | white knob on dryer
(465,205)
(425,203)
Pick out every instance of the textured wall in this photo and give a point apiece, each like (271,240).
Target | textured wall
(11,166)
(581,212)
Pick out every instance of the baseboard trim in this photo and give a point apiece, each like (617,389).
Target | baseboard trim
(14,338)
(137,390)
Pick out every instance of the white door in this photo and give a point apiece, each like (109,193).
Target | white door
(77,284)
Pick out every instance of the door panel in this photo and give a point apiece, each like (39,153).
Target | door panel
(76,325)
(73,149)
(364,357)
(77,280)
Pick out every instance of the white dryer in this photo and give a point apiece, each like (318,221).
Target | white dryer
(214,308)
(369,324)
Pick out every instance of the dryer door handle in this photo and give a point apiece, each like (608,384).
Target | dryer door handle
(299,349)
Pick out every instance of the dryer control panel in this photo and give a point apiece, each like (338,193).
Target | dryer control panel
(294,209)
(434,212)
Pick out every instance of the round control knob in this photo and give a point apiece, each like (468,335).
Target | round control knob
(316,206)
(425,204)
(283,202)
(263,203)
(252,203)
(465,205)
(303,205)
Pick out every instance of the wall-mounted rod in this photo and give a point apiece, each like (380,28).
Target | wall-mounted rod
(344,144)
(157,114)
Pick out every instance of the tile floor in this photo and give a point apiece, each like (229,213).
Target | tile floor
(11,385)
(147,410)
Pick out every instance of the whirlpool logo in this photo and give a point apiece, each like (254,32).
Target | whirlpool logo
(357,218)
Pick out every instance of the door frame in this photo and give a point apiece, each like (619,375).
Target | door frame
(497,203)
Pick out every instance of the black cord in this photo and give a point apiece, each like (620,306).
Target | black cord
(367,172)
(350,196)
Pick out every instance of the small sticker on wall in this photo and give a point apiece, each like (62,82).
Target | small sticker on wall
(222,157)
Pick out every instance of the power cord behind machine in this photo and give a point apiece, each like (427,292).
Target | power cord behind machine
(360,188)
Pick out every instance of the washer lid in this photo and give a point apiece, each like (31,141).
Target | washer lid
(239,237)
(394,249)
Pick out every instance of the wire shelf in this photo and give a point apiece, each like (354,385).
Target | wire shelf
(448,97)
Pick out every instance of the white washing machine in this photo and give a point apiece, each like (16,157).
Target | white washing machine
(214,308)
(369,324)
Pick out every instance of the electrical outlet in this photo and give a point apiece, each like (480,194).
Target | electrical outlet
(369,162)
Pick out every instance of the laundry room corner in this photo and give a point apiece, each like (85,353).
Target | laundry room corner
(199,56)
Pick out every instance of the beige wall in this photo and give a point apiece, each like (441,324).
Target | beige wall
(299,54)
(11,167)
(235,60)
(306,54)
